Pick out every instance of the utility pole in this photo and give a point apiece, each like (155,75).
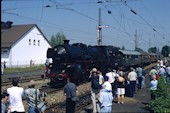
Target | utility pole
(136,40)
(99,28)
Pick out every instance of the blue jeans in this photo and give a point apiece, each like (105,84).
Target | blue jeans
(31,109)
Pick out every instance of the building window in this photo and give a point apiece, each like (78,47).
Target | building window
(34,42)
(38,42)
(29,41)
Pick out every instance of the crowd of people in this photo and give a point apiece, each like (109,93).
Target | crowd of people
(111,86)
(105,89)
(162,70)
(115,84)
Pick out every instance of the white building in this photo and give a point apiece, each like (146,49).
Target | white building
(22,45)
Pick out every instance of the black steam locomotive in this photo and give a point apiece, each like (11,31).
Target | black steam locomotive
(76,61)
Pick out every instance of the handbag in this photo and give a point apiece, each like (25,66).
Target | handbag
(41,107)
(75,98)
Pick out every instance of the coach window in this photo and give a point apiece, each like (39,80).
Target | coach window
(38,42)
(34,42)
(29,41)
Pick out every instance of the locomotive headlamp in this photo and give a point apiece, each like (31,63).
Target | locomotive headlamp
(63,71)
(48,71)
(68,66)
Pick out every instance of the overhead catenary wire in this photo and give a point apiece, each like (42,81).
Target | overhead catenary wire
(95,19)
(152,26)
(134,12)
(154,20)
(60,6)
(51,24)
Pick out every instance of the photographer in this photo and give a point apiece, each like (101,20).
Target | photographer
(33,98)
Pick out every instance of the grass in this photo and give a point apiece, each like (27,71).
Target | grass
(21,69)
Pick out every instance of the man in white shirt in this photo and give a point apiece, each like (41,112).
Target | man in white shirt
(111,78)
(15,97)
(132,77)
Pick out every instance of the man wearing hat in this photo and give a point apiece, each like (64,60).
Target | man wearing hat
(95,88)
(4,101)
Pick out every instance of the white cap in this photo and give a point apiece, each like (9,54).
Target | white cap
(94,70)
(107,86)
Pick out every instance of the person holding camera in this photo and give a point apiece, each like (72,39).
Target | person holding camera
(95,88)
(33,97)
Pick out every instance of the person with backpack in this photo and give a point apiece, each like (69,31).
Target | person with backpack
(33,96)
(95,88)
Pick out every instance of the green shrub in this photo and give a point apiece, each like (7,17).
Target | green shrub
(161,104)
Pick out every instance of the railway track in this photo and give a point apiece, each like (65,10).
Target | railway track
(22,76)
(84,101)
(21,79)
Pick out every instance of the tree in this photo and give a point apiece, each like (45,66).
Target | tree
(165,51)
(58,39)
(53,41)
(153,50)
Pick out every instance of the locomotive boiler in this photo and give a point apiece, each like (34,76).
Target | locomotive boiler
(76,60)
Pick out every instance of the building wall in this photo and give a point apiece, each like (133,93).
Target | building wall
(23,53)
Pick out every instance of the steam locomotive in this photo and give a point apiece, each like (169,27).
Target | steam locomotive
(76,60)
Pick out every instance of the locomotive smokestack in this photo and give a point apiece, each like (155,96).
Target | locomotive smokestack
(66,42)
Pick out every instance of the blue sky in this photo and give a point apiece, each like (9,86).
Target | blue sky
(78,20)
